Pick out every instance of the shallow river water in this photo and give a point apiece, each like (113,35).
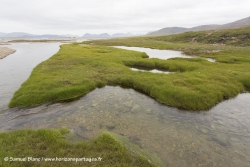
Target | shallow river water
(16,68)
(218,137)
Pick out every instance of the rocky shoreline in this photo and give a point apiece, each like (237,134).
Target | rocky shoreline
(4,51)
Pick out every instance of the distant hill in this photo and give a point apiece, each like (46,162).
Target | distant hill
(122,35)
(16,34)
(236,37)
(106,35)
(27,35)
(88,35)
(176,30)
(2,34)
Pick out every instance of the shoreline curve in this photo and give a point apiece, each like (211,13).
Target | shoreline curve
(4,52)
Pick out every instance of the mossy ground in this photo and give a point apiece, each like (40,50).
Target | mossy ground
(46,143)
(196,84)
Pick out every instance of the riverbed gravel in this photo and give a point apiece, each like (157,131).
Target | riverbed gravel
(4,51)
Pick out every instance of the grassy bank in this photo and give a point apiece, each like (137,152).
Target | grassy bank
(42,144)
(235,37)
(189,42)
(196,84)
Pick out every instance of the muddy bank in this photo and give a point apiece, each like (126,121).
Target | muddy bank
(4,51)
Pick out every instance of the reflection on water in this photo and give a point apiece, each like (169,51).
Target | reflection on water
(219,137)
(153,71)
(161,54)
(16,68)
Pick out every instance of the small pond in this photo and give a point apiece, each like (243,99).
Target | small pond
(162,54)
(153,71)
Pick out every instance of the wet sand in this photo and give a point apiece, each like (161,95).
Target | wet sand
(4,51)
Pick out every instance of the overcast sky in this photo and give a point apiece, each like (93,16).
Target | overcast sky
(115,16)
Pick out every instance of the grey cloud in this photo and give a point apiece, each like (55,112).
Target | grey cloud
(112,16)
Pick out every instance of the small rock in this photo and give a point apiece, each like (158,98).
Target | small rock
(148,111)
(110,126)
(136,108)
(94,104)
(221,140)
(80,107)
(220,122)
(212,126)
(129,104)
(196,127)
(204,131)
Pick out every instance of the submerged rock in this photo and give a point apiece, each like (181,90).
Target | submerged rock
(213,127)
(196,127)
(221,140)
(148,111)
(94,104)
(110,126)
(135,149)
(81,107)
(136,108)
(204,131)
(128,104)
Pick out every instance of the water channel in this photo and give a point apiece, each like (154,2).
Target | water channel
(218,137)
(162,54)
(16,68)
(153,71)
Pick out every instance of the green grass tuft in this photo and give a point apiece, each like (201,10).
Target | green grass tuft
(44,143)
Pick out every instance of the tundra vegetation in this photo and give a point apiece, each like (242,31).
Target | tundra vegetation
(196,84)
(77,69)
(37,146)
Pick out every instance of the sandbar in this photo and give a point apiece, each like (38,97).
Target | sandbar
(4,51)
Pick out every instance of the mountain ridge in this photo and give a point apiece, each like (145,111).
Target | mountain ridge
(28,35)
(86,35)
(106,35)
(176,30)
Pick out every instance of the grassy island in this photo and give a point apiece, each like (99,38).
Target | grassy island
(49,148)
(196,84)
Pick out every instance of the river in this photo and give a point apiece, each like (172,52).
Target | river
(16,68)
